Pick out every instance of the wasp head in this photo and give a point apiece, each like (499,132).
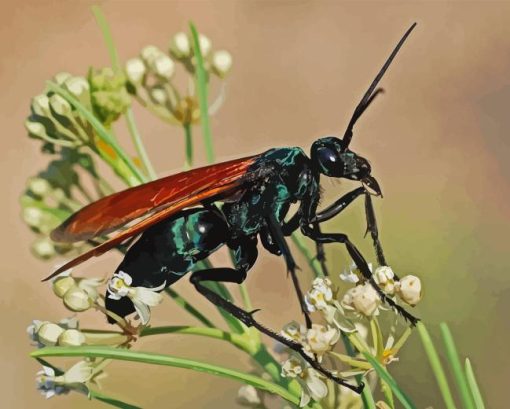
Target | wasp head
(332,158)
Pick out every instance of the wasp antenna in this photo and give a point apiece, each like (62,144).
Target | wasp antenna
(370,94)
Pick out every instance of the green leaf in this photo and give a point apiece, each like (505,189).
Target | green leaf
(111,401)
(456,366)
(201,80)
(386,377)
(436,366)
(166,360)
(473,385)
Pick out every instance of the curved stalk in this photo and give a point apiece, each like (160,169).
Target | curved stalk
(166,360)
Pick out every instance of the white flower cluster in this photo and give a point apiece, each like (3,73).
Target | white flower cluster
(78,294)
(64,333)
(151,75)
(142,297)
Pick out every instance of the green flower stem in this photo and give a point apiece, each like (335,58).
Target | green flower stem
(366,393)
(473,385)
(166,360)
(188,140)
(238,340)
(103,135)
(458,373)
(388,394)
(201,80)
(139,146)
(110,401)
(98,338)
(107,36)
(188,307)
(437,368)
(130,120)
(386,377)
(356,363)
(312,261)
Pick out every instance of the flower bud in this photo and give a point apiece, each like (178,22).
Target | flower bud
(78,86)
(60,105)
(77,299)
(62,77)
(71,338)
(135,70)
(221,63)
(409,289)
(43,248)
(149,54)
(248,396)
(61,285)
(180,46)
(41,105)
(205,44)
(39,186)
(384,276)
(163,66)
(366,301)
(33,216)
(35,129)
(158,95)
(48,333)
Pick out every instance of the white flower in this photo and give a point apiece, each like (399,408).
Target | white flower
(135,70)
(47,385)
(353,274)
(248,396)
(75,378)
(321,339)
(363,299)
(320,296)
(312,386)
(61,284)
(142,297)
(384,276)
(291,368)
(221,63)
(409,289)
(293,331)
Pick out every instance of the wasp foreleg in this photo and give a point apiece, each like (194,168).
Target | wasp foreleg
(361,263)
(277,234)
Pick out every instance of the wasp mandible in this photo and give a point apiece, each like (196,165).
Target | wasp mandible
(188,216)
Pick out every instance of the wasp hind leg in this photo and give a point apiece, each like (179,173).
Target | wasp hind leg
(231,275)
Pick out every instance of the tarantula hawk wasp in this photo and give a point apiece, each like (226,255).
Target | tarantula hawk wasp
(184,225)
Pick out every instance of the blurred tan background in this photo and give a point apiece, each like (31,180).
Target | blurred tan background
(438,140)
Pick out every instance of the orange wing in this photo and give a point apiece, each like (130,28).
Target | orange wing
(164,197)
